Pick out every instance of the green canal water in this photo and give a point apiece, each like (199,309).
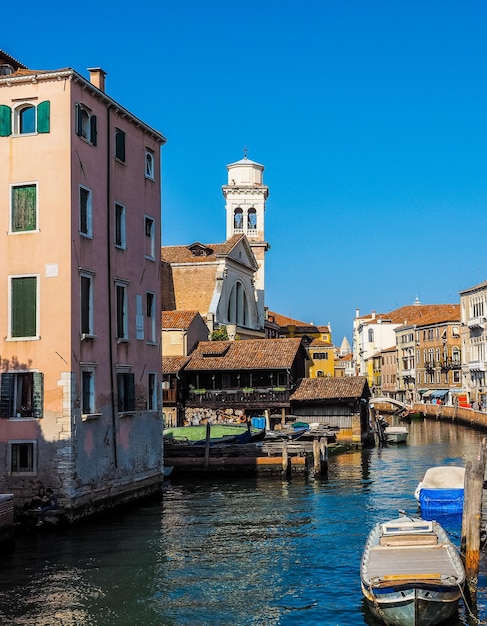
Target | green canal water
(248,552)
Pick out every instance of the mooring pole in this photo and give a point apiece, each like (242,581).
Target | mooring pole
(207,446)
(316,457)
(324,455)
(471,522)
(285,459)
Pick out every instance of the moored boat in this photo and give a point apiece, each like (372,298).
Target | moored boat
(396,434)
(411,573)
(441,490)
(219,433)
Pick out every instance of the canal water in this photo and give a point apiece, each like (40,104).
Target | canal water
(247,552)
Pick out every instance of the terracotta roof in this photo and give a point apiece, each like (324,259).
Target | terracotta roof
(249,354)
(173,364)
(347,387)
(184,254)
(178,319)
(441,313)
(282,320)
(413,314)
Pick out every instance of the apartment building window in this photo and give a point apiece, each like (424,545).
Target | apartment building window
(151,316)
(23,307)
(149,164)
(151,392)
(456,376)
(120,229)
(22,457)
(23,208)
(150,237)
(418,378)
(121,311)
(85,211)
(88,390)
(126,392)
(120,145)
(85,123)
(320,355)
(28,118)
(86,282)
(21,394)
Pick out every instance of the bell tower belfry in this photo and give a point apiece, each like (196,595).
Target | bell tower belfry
(245,196)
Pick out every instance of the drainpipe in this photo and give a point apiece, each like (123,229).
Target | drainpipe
(110,298)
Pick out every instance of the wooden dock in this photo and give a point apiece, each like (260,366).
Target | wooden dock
(270,458)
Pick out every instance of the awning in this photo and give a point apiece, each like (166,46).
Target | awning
(428,393)
(439,393)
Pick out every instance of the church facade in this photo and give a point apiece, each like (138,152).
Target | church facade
(225,282)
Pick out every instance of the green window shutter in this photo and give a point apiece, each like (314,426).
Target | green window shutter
(93,129)
(5,120)
(24,307)
(43,116)
(24,208)
(38,394)
(7,382)
(77,119)
(120,144)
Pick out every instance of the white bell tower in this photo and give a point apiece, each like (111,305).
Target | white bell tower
(245,196)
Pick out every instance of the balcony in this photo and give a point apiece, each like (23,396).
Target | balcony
(450,364)
(477,366)
(240,398)
(476,322)
(409,373)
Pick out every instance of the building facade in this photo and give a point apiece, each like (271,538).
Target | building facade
(473,307)
(80,368)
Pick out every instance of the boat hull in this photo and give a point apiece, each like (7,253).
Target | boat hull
(396,434)
(413,606)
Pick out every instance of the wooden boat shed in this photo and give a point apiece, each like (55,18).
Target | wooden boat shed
(341,403)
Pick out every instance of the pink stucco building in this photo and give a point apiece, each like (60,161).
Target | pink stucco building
(80,358)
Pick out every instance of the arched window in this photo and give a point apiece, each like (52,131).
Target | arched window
(27,120)
(252,219)
(455,354)
(238,308)
(238,219)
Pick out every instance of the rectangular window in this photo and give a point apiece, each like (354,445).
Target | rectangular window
(126,392)
(150,234)
(88,391)
(151,316)
(23,307)
(23,213)
(122,316)
(86,305)
(23,457)
(120,240)
(149,164)
(151,392)
(21,394)
(85,211)
(120,145)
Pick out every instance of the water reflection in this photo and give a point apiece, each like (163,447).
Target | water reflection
(233,552)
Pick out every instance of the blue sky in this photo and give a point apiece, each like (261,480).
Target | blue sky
(370,118)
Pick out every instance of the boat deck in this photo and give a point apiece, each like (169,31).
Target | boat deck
(413,561)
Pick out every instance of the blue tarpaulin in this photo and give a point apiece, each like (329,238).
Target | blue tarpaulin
(441,500)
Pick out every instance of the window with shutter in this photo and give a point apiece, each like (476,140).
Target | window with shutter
(5,120)
(23,313)
(126,392)
(23,208)
(44,117)
(120,145)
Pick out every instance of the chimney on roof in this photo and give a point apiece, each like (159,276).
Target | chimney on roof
(373,315)
(357,312)
(97,77)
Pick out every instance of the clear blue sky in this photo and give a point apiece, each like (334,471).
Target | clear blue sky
(369,117)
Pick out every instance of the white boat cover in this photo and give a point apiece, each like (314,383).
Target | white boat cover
(444,477)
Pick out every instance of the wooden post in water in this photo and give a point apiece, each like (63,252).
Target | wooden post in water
(285,458)
(324,454)
(471,521)
(207,446)
(316,457)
